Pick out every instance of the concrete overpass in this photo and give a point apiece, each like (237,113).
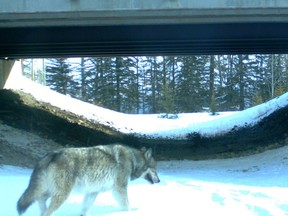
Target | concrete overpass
(19,13)
(29,28)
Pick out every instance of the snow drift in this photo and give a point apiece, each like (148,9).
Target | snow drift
(151,125)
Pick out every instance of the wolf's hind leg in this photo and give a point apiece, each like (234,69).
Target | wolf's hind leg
(88,200)
(120,194)
(42,203)
(56,201)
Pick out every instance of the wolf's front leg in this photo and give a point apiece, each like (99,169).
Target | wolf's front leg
(120,194)
(88,200)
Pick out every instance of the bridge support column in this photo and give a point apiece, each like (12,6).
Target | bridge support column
(5,69)
(10,72)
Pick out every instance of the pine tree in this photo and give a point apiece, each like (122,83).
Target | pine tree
(131,85)
(102,91)
(152,86)
(127,79)
(166,100)
(85,76)
(193,89)
(59,76)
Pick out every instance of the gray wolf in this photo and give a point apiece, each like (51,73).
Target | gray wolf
(92,170)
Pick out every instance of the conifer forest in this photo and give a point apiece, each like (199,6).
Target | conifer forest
(165,84)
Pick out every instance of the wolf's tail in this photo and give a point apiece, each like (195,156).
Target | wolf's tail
(35,189)
(33,192)
(25,200)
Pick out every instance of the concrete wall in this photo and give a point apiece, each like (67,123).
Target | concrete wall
(15,13)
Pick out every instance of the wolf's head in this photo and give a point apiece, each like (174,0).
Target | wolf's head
(146,167)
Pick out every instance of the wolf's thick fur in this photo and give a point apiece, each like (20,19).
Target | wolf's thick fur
(93,170)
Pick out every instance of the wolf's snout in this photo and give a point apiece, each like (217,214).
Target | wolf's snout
(152,177)
(156,178)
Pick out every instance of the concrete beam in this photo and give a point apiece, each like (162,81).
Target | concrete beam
(19,13)
(31,6)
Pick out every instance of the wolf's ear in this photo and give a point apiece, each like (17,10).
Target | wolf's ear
(148,154)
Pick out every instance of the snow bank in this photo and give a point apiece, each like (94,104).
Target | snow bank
(151,125)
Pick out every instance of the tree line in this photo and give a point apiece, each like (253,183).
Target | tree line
(166,84)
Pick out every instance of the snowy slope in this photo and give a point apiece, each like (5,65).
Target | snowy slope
(152,125)
(255,185)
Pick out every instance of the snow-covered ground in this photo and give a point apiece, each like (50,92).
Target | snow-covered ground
(254,185)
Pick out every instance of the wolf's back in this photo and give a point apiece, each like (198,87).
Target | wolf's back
(34,189)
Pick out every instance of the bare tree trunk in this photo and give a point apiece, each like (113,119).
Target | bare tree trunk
(241,83)
(272,77)
(153,78)
(83,84)
(118,73)
(211,90)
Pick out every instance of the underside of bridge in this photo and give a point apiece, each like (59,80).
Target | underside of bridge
(165,39)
